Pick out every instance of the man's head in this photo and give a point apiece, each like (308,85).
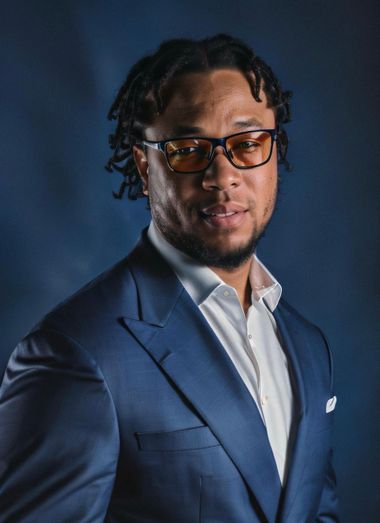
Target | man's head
(213,88)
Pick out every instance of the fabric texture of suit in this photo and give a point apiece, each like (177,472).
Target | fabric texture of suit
(122,406)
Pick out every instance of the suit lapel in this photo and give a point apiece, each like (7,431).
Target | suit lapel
(294,345)
(173,330)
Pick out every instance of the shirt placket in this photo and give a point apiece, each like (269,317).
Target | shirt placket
(239,322)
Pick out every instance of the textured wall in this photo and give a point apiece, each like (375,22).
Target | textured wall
(62,63)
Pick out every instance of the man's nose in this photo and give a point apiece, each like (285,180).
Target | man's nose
(221,174)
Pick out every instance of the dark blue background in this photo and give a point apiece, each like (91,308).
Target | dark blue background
(61,65)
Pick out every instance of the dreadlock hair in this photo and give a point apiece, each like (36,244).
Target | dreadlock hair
(141,97)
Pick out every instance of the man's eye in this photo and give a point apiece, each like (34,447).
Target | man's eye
(248,145)
(184,151)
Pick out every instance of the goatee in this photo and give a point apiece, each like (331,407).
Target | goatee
(212,256)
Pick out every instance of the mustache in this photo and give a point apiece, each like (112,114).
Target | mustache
(210,203)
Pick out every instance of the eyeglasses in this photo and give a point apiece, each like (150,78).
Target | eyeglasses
(194,154)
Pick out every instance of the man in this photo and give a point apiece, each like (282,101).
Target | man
(179,386)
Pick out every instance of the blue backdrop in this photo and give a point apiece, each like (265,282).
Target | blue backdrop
(62,63)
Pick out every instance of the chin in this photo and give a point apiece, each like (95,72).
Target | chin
(222,254)
(228,243)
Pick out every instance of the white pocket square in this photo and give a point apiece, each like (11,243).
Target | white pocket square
(330,405)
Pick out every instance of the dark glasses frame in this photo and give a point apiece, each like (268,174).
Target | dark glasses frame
(161,146)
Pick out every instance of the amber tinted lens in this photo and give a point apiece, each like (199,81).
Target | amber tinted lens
(188,155)
(250,149)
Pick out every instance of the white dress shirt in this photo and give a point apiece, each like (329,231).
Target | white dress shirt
(251,340)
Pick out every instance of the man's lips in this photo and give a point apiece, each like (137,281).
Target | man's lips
(224,216)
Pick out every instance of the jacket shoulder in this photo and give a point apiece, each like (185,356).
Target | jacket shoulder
(111,293)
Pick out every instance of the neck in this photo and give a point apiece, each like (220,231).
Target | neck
(238,279)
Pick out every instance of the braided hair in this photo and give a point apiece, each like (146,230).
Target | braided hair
(141,97)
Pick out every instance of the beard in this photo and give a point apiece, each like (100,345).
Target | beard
(200,250)
(212,256)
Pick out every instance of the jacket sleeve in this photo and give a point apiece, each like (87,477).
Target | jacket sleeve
(59,439)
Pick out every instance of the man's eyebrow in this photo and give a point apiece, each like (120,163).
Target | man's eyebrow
(249,122)
(181,130)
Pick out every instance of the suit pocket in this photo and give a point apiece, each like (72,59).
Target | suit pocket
(183,439)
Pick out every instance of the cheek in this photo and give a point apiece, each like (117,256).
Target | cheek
(172,188)
(262,183)
(271,194)
(160,182)
(262,188)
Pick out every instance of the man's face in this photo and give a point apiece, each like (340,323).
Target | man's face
(190,209)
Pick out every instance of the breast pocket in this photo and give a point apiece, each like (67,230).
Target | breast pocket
(184,439)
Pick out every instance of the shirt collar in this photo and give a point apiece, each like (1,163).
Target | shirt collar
(200,281)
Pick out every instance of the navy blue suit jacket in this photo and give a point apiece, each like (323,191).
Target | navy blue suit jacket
(122,406)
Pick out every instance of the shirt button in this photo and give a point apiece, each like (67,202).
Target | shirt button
(250,336)
(264,400)
(226,293)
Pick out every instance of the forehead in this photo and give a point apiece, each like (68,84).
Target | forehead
(217,102)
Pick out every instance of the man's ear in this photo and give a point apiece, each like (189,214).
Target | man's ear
(142,167)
